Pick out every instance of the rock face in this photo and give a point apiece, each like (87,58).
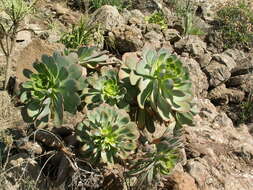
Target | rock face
(219,156)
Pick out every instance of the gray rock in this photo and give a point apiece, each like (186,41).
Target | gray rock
(204,59)
(244,66)
(171,35)
(223,95)
(198,78)
(154,27)
(226,59)
(217,73)
(243,82)
(134,17)
(192,44)
(153,36)
(108,17)
(126,39)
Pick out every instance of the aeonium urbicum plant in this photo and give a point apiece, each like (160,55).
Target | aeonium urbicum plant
(105,88)
(52,89)
(107,134)
(164,84)
(158,161)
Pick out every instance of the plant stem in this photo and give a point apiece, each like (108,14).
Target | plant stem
(7,72)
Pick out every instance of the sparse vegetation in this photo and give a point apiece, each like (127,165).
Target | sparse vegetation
(80,35)
(10,26)
(234,22)
(185,9)
(246,113)
(158,18)
(96,4)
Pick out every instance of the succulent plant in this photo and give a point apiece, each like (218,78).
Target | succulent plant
(158,18)
(90,57)
(106,88)
(107,134)
(164,84)
(52,88)
(157,162)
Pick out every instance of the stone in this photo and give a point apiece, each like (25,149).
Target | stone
(126,39)
(191,44)
(108,17)
(217,73)
(204,59)
(243,82)
(181,181)
(171,35)
(244,66)
(198,78)
(154,38)
(223,95)
(225,59)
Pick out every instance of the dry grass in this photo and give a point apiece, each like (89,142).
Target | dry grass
(9,115)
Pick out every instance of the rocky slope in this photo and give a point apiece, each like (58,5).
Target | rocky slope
(218,152)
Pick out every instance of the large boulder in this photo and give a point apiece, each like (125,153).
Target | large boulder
(107,17)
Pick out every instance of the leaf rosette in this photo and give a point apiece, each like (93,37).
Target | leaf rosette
(51,89)
(164,84)
(105,88)
(107,134)
(157,162)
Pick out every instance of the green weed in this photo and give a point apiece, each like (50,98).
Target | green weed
(235,24)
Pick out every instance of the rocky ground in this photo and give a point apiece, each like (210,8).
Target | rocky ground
(218,150)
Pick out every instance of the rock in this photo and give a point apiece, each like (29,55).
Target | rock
(225,59)
(223,95)
(181,181)
(154,38)
(217,73)
(243,82)
(154,27)
(217,152)
(244,66)
(204,59)
(206,11)
(33,52)
(236,54)
(191,44)
(134,17)
(24,38)
(171,35)
(198,78)
(108,17)
(126,39)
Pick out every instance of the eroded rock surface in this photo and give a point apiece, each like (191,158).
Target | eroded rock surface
(219,156)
